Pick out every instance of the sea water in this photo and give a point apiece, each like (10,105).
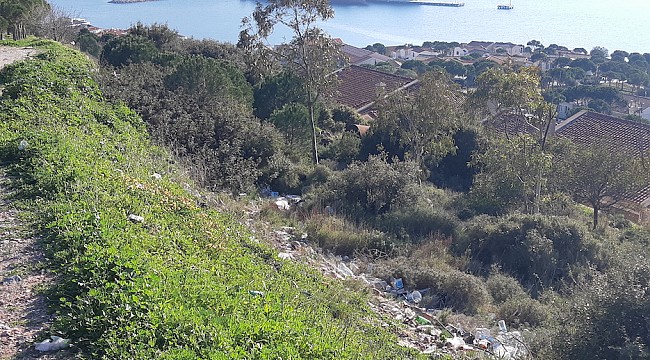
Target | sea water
(614,24)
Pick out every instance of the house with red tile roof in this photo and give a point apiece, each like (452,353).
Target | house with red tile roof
(358,56)
(359,87)
(627,136)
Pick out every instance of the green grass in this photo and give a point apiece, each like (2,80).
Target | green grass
(184,283)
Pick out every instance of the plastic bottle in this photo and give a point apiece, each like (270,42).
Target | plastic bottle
(502,327)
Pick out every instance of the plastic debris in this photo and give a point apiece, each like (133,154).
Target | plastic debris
(156,176)
(256,293)
(398,284)
(455,343)
(285,256)
(11,280)
(294,198)
(414,296)
(135,218)
(23,145)
(344,270)
(56,343)
(502,327)
(282,203)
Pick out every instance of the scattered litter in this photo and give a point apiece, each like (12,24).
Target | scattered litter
(398,284)
(414,297)
(282,203)
(455,343)
(23,145)
(420,328)
(156,176)
(502,327)
(57,343)
(256,293)
(285,256)
(135,218)
(345,271)
(11,280)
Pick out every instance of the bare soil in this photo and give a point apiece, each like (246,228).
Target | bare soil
(10,54)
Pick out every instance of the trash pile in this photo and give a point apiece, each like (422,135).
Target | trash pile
(420,328)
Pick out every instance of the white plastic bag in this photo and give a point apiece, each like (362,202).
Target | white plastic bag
(57,343)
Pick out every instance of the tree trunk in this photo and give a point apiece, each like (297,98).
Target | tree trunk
(314,139)
(596,208)
(538,191)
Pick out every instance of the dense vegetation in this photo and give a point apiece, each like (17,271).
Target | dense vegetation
(186,282)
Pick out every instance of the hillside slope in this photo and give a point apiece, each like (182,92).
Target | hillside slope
(144,271)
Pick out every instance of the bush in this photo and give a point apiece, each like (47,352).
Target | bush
(607,316)
(344,238)
(370,188)
(417,222)
(463,292)
(539,251)
(504,288)
(523,311)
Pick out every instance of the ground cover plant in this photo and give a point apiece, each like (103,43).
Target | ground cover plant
(144,271)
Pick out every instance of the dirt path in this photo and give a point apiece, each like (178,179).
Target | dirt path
(10,54)
(24,316)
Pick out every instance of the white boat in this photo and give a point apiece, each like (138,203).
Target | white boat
(506,7)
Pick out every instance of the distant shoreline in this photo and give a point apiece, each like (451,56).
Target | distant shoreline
(128,1)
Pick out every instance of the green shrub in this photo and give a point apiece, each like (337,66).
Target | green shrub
(607,316)
(504,288)
(344,238)
(463,292)
(523,311)
(370,188)
(417,222)
(539,251)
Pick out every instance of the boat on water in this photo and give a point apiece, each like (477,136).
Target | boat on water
(506,6)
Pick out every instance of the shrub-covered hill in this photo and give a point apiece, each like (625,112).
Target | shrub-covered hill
(181,282)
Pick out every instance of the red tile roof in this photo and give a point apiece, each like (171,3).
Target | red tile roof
(629,136)
(510,124)
(358,86)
